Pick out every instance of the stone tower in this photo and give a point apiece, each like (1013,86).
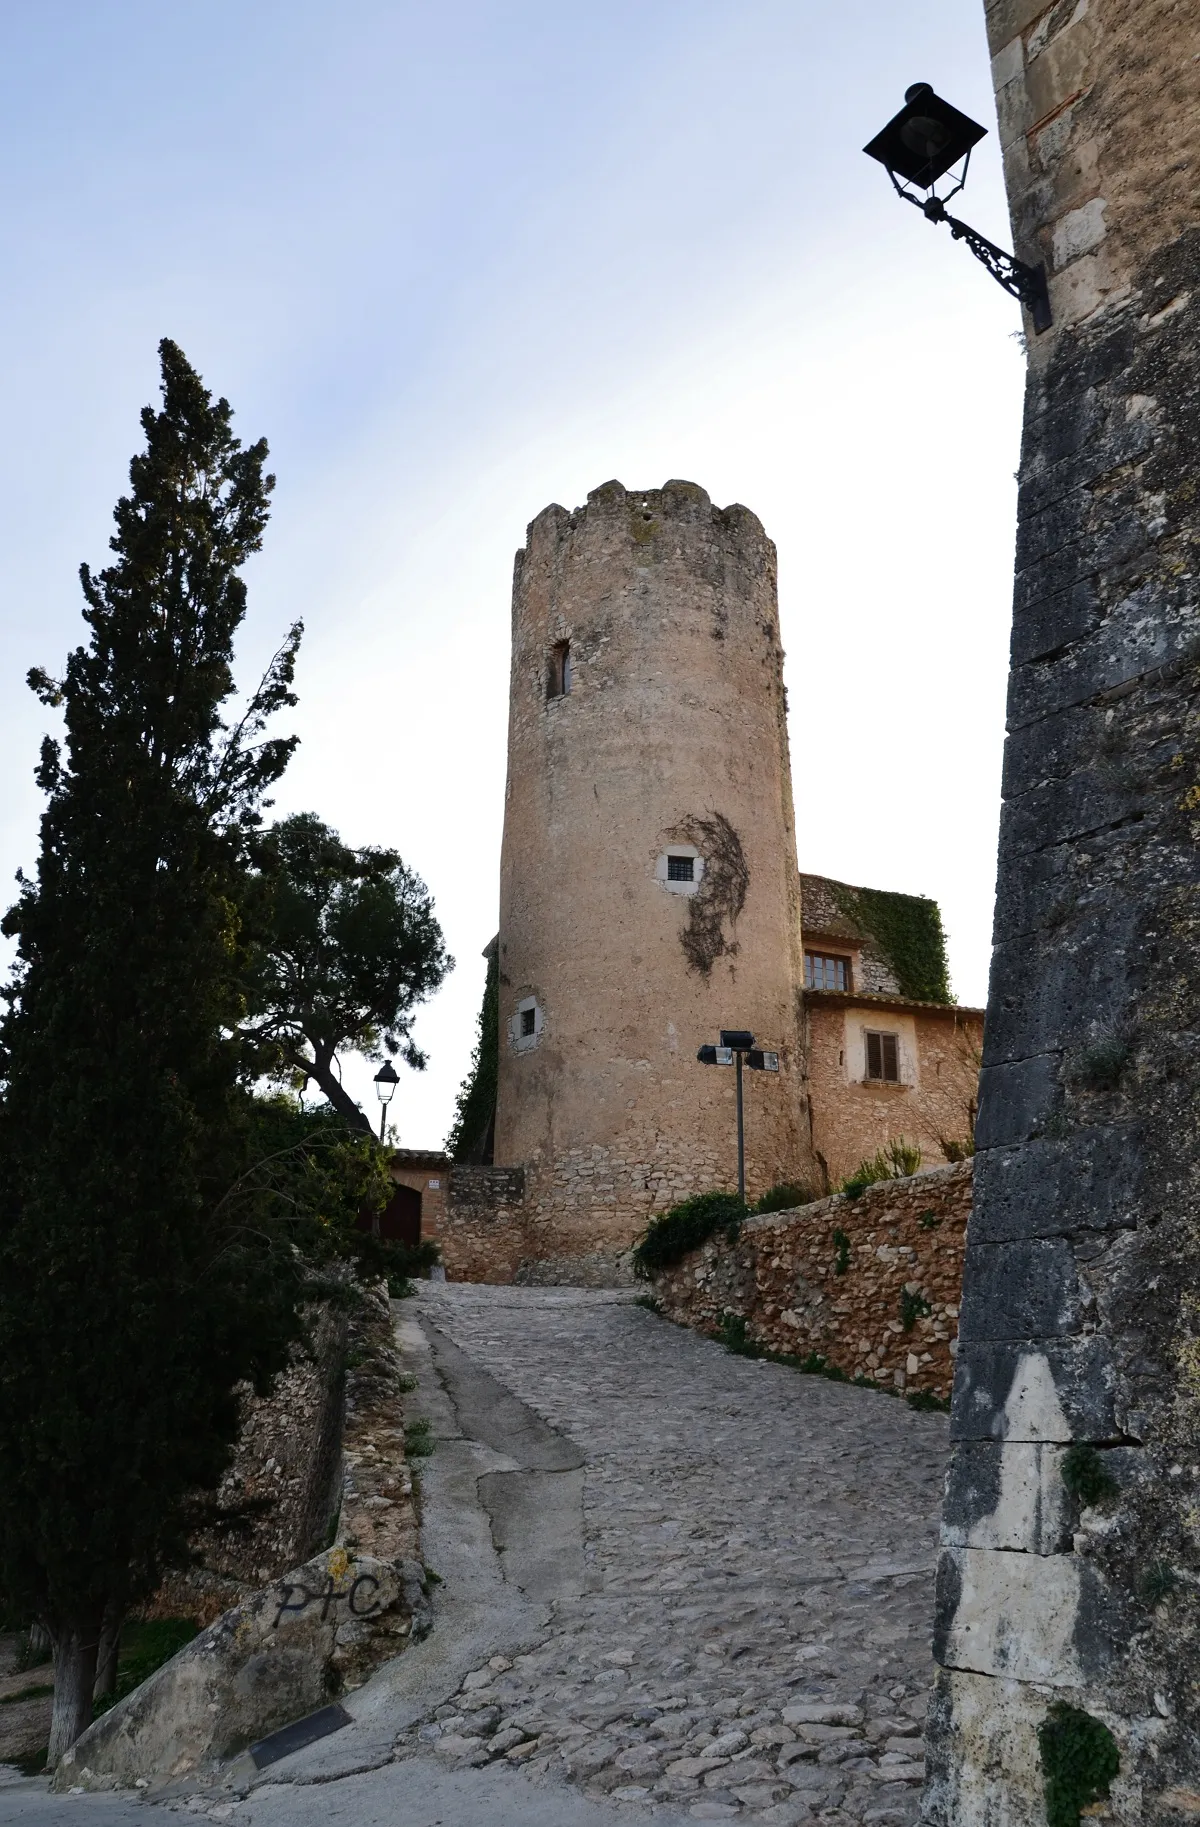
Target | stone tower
(1068,1622)
(649,893)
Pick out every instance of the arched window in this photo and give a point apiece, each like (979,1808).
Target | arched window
(558,683)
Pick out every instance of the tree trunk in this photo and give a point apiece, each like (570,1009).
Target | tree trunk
(75,1648)
(106,1657)
(320,1070)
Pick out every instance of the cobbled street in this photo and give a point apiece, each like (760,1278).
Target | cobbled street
(752,1635)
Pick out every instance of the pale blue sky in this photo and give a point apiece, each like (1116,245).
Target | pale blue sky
(456,261)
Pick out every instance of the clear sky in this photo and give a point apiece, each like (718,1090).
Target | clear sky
(460,259)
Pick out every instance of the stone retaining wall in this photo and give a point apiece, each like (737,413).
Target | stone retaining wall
(801,1289)
(285,1479)
(294,1645)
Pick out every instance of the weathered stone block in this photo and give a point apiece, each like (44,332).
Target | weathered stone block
(1022,1289)
(1035,1389)
(1016,1098)
(1089,1181)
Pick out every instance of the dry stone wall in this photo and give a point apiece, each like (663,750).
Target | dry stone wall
(870,1284)
(281,1492)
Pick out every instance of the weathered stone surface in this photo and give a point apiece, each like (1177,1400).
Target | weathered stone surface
(787,1276)
(1081,1299)
(759,1547)
(669,608)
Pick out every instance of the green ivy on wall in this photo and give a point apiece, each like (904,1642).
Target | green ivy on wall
(908,931)
(471,1133)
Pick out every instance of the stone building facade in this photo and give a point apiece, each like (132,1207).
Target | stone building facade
(1068,1626)
(650,897)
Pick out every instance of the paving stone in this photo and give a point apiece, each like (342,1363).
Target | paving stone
(759,1549)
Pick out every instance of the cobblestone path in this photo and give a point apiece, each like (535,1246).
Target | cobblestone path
(752,1639)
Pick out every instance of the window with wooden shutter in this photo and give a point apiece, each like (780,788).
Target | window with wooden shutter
(883,1058)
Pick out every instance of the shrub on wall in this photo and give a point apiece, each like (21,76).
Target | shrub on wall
(669,1237)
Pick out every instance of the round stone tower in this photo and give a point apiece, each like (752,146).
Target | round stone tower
(649,893)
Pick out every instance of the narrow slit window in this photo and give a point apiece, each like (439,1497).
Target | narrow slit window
(558,683)
(681,869)
(823,971)
(528,1023)
(883,1058)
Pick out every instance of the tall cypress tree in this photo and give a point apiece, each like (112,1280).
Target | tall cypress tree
(134,1293)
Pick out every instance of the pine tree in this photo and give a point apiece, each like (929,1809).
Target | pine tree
(135,1292)
(347,948)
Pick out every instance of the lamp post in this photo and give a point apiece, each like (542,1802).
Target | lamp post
(386,1080)
(737,1044)
(920,146)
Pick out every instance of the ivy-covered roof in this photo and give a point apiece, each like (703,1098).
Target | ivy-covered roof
(903,931)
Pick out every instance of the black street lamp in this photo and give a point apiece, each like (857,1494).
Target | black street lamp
(922,144)
(737,1044)
(386,1080)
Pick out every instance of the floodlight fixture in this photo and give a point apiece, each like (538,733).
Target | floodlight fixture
(930,140)
(737,1046)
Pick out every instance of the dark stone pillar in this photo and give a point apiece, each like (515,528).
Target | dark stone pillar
(1068,1609)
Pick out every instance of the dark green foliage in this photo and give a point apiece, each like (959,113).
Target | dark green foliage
(908,931)
(734,1335)
(418,1439)
(785,1197)
(1100,1066)
(347,947)
(669,1237)
(650,1302)
(929,1221)
(145,1646)
(1085,1476)
(957,1151)
(912,1308)
(924,1401)
(1158,1582)
(471,1133)
(842,1260)
(399,1264)
(895,1162)
(1079,1761)
(140,1277)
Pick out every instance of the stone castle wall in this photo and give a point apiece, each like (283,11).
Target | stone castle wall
(1080,1333)
(801,1289)
(672,736)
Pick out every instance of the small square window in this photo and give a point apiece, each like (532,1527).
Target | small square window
(528,1023)
(681,869)
(883,1058)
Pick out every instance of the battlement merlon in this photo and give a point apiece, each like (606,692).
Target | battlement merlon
(647,514)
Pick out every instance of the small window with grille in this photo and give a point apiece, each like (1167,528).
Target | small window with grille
(681,868)
(528,1023)
(825,972)
(883,1058)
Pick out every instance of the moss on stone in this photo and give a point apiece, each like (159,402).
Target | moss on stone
(1079,1760)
